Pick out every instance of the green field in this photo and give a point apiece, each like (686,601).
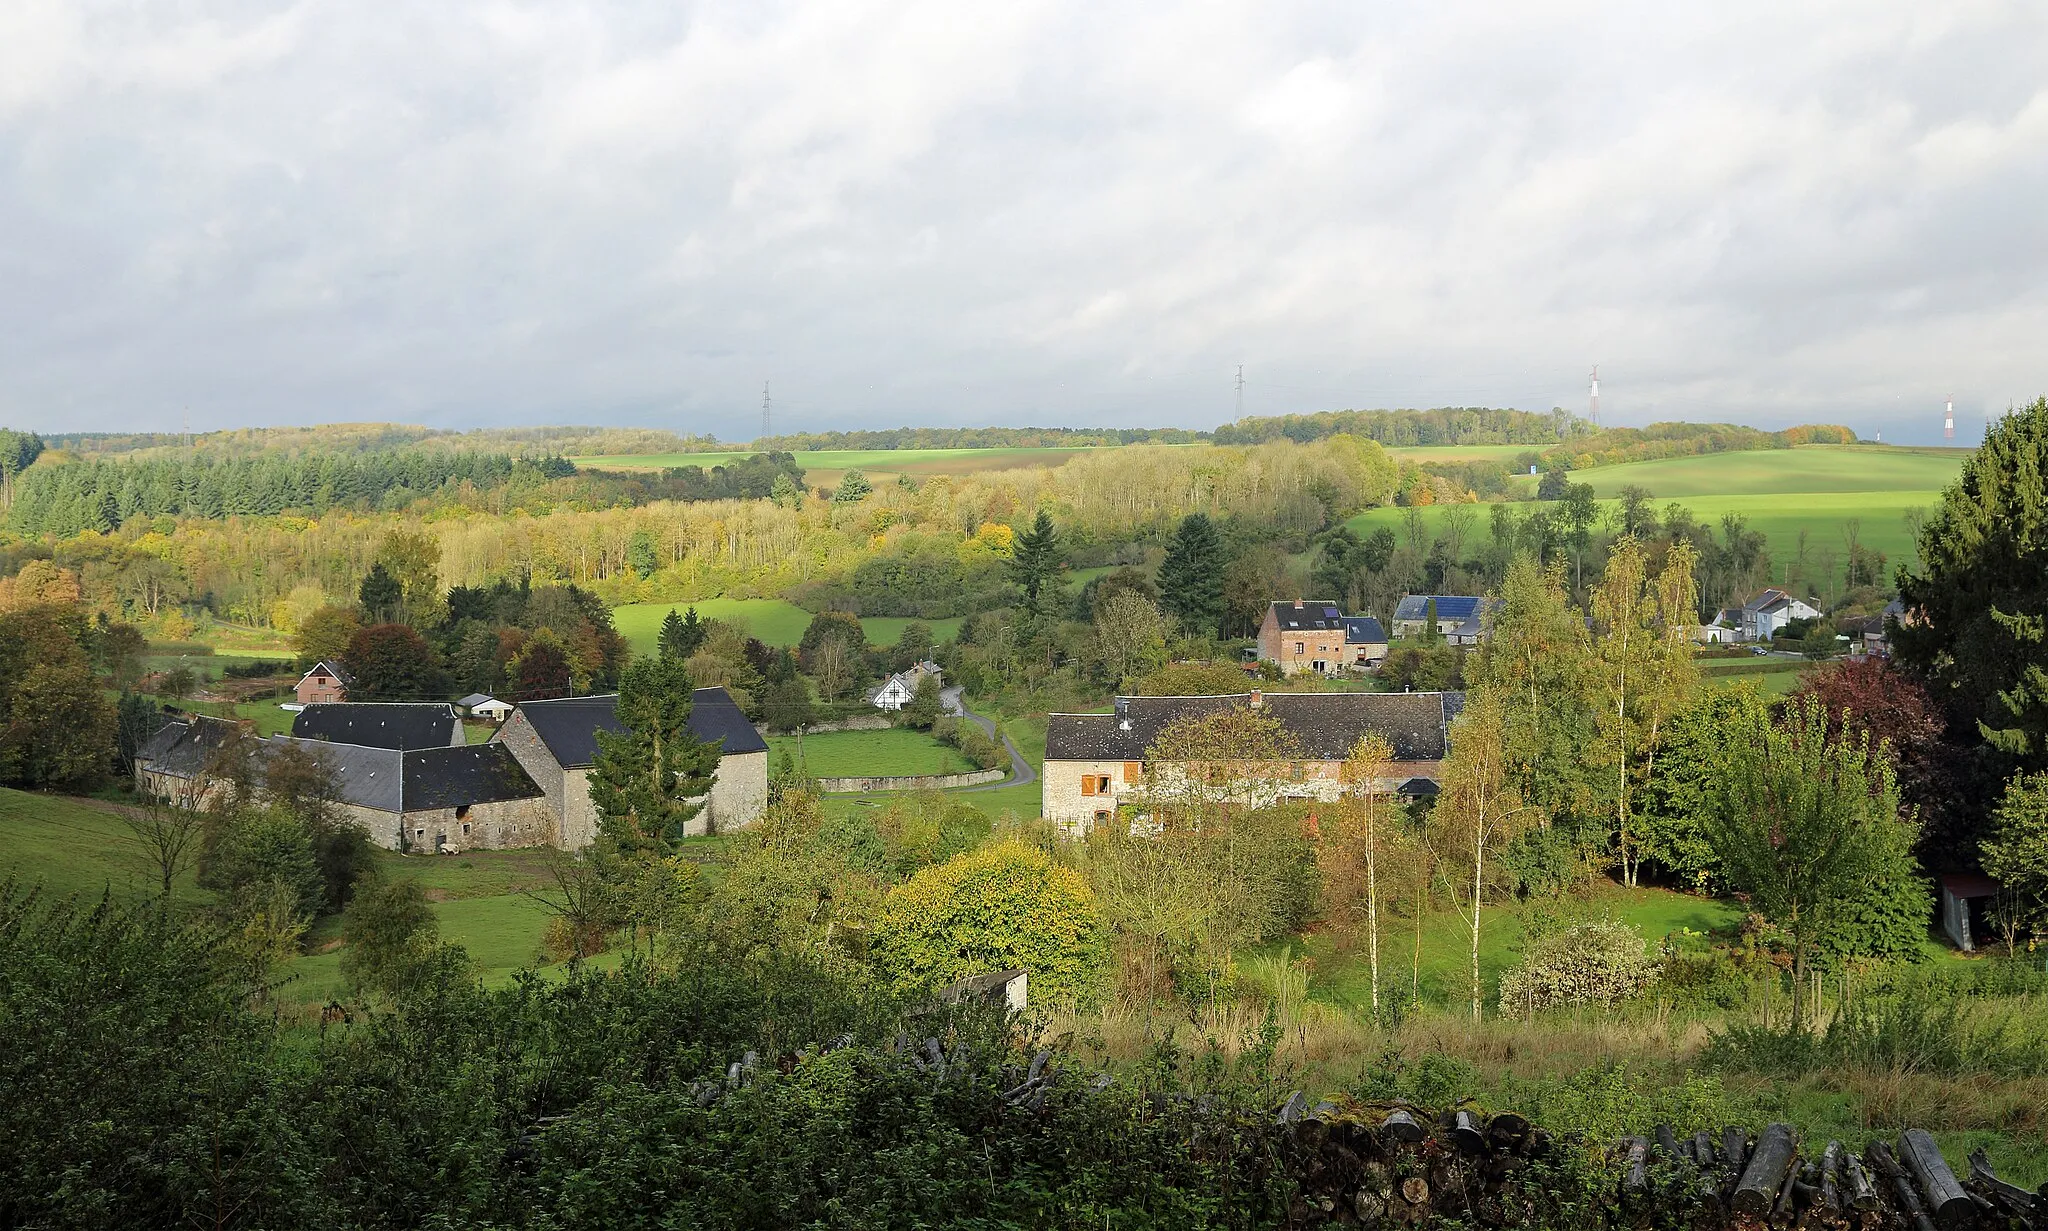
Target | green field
(824,467)
(1779,493)
(1460,453)
(775,621)
(897,752)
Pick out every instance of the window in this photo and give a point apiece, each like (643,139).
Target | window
(460,814)
(1300,648)
(1094,784)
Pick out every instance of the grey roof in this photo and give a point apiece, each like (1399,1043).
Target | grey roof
(332,668)
(1363,630)
(1307,615)
(569,725)
(1328,725)
(1458,607)
(419,779)
(182,745)
(389,724)
(473,700)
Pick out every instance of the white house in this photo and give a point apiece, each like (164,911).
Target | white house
(478,705)
(1770,611)
(895,692)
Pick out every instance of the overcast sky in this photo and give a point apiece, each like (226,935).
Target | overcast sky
(465,213)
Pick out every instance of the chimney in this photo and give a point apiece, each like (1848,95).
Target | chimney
(1258,699)
(1297,604)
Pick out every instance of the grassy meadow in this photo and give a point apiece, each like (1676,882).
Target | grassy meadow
(894,753)
(1819,490)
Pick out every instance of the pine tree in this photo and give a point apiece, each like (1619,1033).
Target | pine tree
(649,781)
(1191,577)
(381,594)
(1036,556)
(681,635)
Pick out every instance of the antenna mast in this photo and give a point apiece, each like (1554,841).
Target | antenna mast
(765,433)
(1240,391)
(1593,397)
(1948,420)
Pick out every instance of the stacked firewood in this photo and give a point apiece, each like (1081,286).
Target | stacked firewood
(1394,1165)
(1767,1181)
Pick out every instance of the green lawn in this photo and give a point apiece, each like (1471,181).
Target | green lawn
(775,621)
(69,848)
(897,752)
(206,666)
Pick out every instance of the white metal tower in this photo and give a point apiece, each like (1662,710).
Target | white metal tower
(1594,396)
(1948,421)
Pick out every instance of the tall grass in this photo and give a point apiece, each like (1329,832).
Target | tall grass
(1992,1022)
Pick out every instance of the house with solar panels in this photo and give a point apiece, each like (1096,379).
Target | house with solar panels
(1460,618)
(1303,635)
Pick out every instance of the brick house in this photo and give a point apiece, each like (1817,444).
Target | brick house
(327,682)
(1096,763)
(1303,636)
(556,742)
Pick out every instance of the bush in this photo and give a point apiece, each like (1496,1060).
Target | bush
(1005,905)
(1592,963)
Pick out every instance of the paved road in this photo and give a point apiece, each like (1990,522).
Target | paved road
(1021,773)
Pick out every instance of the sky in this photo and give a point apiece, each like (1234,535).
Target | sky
(470,213)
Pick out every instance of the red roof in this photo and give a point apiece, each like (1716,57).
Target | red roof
(1969,885)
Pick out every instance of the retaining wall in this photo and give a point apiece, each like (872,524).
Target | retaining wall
(915,782)
(876,721)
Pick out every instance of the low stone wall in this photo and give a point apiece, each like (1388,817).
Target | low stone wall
(876,721)
(914,782)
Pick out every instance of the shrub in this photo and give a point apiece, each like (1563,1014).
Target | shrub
(1005,905)
(1592,963)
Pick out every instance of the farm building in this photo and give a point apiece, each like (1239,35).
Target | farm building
(479,705)
(556,742)
(1365,641)
(433,799)
(327,682)
(1460,618)
(178,762)
(397,725)
(1095,763)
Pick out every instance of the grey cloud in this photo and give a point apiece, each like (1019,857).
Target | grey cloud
(480,212)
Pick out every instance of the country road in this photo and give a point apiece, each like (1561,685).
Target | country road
(1021,772)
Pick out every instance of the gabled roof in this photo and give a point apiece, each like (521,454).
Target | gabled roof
(1459,607)
(569,725)
(182,745)
(473,700)
(1308,616)
(332,668)
(1328,725)
(1363,630)
(375,724)
(420,779)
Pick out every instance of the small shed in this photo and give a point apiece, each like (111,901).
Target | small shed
(477,705)
(1009,988)
(1958,891)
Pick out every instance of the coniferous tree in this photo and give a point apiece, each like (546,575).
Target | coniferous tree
(1974,626)
(681,635)
(1191,577)
(381,594)
(1035,558)
(649,781)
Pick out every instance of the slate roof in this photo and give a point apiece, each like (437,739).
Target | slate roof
(394,724)
(472,700)
(1460,607)
(1327,724)
(332,668)
(1363,630)
(419,779)
(569,725)
(1313,616)
(182,745)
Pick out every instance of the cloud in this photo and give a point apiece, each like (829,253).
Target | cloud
(485,212)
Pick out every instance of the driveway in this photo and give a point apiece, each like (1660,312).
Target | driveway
(1021,773)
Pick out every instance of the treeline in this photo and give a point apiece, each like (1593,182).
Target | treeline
(982,438)
(65,499)
(380,437)
(1614,445)
(1449,425)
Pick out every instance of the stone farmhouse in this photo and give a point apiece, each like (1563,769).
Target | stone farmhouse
(1096,764)
(1365,642)
(433,799)
(556,743)
(327,682)
(177,762)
